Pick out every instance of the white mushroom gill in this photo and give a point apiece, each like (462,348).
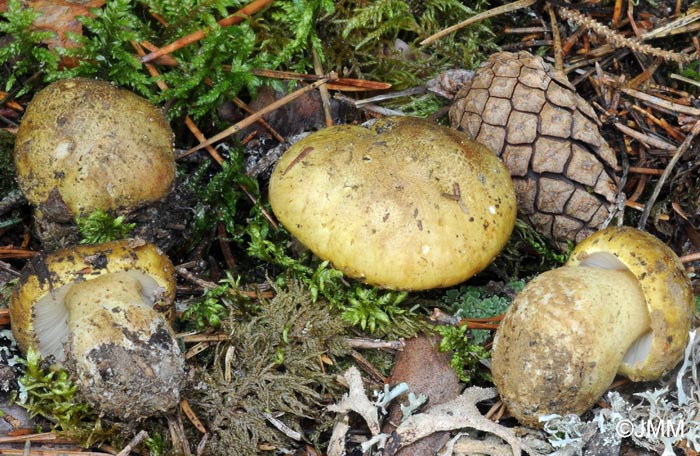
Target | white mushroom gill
(603,260)
(51,313)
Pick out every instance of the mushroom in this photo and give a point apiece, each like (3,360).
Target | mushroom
(622,304)
(85,144)
(103,312)
(405,204)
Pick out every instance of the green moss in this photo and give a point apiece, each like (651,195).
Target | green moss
(7,166)
(270,364)
(466,344)
(380,39)
(49,392)
(100,226)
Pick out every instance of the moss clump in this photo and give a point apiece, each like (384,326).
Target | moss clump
(271,364)
(7,167)
(381,39)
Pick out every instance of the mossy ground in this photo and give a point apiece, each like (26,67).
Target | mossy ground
(279,357)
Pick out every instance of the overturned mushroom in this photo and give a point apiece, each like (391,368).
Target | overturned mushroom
(621,304)
(405,204)
(102,311)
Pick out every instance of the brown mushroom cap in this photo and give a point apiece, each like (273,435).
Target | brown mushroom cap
(405,204)
(666,288)
(85,144)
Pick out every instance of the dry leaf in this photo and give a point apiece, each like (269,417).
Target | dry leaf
(459,413)
(59,16)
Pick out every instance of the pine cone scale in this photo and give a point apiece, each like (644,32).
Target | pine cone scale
(547,136)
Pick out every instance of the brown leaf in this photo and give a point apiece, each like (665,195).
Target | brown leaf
(59,16)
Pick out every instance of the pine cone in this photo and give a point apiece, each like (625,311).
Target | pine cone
(547,136)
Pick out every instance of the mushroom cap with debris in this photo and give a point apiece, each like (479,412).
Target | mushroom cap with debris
(86,144)
(103,312)
(405,204)
(622,304)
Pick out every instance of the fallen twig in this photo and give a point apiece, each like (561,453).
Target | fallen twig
(664,105)
(16,253)
(233,19)
(667,172)
(361,342)
(650,141)
(507,8)
(254,117)
(138,438)
(342,84)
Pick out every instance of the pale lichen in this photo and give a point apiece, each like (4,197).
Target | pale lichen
(666,416)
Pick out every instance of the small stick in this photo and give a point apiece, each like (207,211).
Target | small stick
(225,247)
(368,367)
(660,122)
(617,14)
(650,171)
(667,172)
(202,444)
(361,342)
(201,337)
(241,104)
(297,159)
(325,97)
(253,118)
(640,207)
(283,428)
(494,411)
(476,324)
(367,107)
(507,8)
(233,19)
(8,268)
(669,106)
(13,252)
(211,285)
(343,84)
(5,99)
(690,257)
(43,437)
(556,37)
(647,74)
(138,438)
(649,141)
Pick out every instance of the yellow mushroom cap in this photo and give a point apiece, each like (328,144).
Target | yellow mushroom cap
(94,310)
(405,204)
(666,289)
(48,275)
(559,345)
(85,144)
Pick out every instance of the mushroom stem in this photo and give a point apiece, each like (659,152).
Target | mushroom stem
(118,340)
(108,308)
(592,317)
